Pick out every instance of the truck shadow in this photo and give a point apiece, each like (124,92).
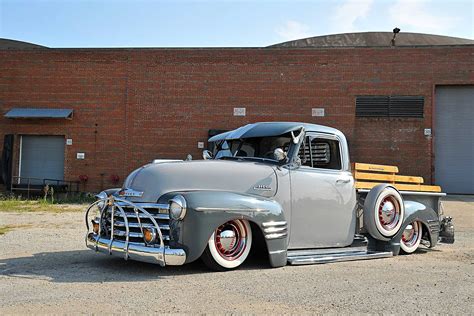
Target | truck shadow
(87,266)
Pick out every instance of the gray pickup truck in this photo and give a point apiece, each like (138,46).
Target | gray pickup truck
(285,188)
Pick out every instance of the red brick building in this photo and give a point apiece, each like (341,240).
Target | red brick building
(130,106)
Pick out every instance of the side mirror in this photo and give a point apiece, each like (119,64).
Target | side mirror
(279,154)
(206,154)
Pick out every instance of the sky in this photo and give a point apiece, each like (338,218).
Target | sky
(224,23)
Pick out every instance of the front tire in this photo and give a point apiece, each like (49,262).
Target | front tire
(228,246)
(411,237)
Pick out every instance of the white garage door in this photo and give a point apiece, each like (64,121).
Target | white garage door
(42,157)
(454,139)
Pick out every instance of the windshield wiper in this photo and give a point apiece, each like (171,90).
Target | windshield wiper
(248,158)
(229,158)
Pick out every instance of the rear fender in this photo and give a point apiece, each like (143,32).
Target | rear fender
(415,211)
(207,210)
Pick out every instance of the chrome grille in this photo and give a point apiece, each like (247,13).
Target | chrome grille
(136,221)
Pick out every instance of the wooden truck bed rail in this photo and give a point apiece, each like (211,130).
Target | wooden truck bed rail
(369,175)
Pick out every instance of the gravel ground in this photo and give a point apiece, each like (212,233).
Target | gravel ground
(45,268)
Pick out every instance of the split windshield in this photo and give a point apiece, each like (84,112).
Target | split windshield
(256,148)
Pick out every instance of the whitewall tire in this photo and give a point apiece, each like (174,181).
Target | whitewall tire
(229,245)
(411,237)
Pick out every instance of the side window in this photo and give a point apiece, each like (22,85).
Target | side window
(317,152)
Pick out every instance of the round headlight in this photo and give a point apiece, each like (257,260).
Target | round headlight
(177,207)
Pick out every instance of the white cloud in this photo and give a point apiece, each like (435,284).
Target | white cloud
(348,13)
(292,30)
(416,14)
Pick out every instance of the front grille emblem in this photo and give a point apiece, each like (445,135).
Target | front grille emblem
(130,193)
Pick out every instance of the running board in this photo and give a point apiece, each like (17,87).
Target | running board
(334,255)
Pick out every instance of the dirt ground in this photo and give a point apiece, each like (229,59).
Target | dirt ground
(45,268)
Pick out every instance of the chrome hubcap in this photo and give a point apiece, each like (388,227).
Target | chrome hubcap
(231,239)
(410,234)
(228,240)
(389,213)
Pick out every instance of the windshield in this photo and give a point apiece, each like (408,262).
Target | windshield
(252,148)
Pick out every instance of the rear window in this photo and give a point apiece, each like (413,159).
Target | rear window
(317,152)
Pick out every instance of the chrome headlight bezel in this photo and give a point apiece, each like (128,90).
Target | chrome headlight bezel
(177,207)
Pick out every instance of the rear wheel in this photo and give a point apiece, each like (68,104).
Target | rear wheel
(228,246)
(411,237)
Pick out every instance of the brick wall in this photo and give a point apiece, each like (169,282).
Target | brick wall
(134,105)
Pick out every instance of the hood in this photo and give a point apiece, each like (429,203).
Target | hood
(156,179)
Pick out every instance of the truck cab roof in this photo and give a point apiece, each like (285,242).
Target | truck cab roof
(263,129)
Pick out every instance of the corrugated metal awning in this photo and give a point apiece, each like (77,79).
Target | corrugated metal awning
(39,113)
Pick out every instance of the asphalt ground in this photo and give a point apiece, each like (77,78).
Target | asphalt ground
(45,268)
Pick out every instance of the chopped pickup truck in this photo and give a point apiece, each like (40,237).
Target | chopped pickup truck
(285,187)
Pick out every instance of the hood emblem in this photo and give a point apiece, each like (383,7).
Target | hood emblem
(262,187)
(130,193)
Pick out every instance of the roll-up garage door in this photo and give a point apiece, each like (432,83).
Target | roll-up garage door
(42,157)
(454,139)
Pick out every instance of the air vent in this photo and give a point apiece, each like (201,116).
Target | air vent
(389,106)
(372,106)
(406,106)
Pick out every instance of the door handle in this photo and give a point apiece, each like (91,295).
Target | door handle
(343,180)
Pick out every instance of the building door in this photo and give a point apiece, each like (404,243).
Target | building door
(454,139)
(6,162)
(41,157)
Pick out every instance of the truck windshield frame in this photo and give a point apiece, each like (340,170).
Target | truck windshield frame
(255,148)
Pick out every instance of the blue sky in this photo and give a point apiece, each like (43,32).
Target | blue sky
(147,23)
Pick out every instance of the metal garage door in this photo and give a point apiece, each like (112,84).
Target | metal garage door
(454,139)
(42,157)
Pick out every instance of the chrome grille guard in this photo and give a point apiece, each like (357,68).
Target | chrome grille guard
(156,253)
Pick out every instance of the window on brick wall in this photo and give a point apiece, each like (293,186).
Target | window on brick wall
(389,106)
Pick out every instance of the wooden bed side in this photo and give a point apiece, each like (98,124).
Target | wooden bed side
(369,175)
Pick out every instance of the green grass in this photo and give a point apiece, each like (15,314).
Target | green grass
(6,228)
(17,205)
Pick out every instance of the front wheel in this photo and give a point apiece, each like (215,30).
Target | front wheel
(228,246)
(411,237)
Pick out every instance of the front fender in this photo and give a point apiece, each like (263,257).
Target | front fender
(207,210)
(415,211)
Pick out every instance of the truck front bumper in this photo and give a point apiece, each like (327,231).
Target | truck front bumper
(157,255)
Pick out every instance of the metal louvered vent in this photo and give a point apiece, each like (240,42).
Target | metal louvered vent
(389,106)
(372,106)
(406,106)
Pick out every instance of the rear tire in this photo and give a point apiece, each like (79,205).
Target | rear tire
(228,246)
(411,237)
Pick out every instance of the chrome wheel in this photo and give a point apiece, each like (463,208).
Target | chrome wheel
(411,237)
(231,240)
(229,245)
(389,213)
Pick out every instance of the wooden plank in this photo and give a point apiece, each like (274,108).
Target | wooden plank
(387,177)
(375,168)
(401,187)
